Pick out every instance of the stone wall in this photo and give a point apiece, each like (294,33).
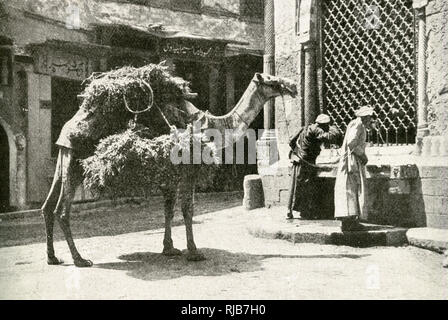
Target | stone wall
(425,200)
(35,21)
(123,12)
(12,121)
(425,204)
(437,66)
(430,196)
(27,22)
(287,61)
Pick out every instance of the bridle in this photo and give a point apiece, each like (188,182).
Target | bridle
(149,106)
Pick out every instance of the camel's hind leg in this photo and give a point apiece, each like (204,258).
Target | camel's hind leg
(186,191)
(71,177)
(47,211)
(169,195)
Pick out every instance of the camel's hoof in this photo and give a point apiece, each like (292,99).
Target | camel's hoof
(445,263)
(197,256)
(52,261)
(82,263)
(172,252)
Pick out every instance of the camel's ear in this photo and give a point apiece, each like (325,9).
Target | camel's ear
(259,77)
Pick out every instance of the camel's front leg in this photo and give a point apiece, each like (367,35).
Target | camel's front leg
(169,195)
(187,203)
(71,176)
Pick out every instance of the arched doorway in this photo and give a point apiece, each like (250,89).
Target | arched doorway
(4,171)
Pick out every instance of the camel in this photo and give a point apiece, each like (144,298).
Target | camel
(68,174)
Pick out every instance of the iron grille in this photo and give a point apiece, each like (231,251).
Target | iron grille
(368,57)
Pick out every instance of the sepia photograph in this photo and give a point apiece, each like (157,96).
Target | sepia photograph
(215,150)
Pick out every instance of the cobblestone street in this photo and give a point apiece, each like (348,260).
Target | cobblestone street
(125,244)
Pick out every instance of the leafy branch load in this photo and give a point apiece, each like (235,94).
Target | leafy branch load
(103,110)
(128,163)
(136,160)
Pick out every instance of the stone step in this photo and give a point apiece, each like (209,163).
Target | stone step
(268,223)
(429,238)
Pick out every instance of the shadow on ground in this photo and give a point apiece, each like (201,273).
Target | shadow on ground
(155,266)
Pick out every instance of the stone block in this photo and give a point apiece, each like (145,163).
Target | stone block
(434,187)
(269,189)
(253,192)
(437,221)
(284,196)
(271,223)
(365,239)
(428,238)
(436,172)
(436,204)
(283,181)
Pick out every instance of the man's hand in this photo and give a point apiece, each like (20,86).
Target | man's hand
(336,136)
(364,159)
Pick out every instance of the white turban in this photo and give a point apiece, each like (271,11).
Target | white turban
(364,111)
(323,118)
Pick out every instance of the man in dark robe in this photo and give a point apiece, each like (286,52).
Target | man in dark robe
(306,147)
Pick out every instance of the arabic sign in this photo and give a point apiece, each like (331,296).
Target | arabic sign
(189,49)
(65,65)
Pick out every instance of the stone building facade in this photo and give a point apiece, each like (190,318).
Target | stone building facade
(48,47)
(392,55)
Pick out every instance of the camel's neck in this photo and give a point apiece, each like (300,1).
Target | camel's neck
(237,121)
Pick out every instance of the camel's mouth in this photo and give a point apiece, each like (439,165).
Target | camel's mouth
(284,85)
(290,88)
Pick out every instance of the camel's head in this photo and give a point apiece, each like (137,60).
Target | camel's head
(275,86)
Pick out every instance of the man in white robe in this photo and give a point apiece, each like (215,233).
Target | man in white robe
(350,192)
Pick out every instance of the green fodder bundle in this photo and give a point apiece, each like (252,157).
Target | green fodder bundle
(129,164)
(105,93)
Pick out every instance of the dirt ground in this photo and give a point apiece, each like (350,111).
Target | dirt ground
(125,245)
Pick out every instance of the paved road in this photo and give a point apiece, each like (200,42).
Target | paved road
(238,266)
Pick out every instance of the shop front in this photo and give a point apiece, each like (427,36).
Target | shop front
(59,67)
